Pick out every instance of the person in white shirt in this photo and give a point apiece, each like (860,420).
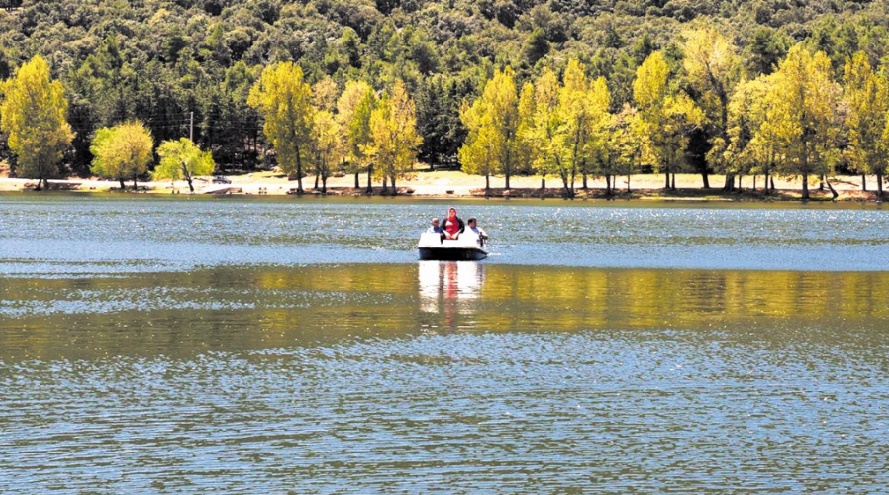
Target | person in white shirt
(472,224)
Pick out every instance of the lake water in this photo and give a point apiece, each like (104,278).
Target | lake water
(233,345)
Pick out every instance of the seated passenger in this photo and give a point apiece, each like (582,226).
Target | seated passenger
(436,227)
(473,227)
(453,226)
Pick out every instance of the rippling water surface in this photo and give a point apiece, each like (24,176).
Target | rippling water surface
(231,346)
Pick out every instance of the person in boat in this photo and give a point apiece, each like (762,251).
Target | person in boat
(453,226)
(435,228)
(472,224)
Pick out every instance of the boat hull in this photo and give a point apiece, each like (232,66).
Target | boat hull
(465,248)
(452,253)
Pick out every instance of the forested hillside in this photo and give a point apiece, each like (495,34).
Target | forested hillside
(186,66)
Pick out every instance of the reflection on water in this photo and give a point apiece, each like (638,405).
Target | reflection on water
(433,377)
(215,346)
(450,287)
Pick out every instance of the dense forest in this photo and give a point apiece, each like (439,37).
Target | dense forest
(184,68)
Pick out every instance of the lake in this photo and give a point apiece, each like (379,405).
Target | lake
(269,345)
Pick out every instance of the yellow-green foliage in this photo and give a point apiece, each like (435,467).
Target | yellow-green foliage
(867,98)
(492,123)
(802,112)
(182,159)
(32,115)
(393,128)
(285,102)
(122,151)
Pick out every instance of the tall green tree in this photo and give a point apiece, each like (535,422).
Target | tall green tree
(123,151)
(32,115)
(867,98)
(546,133)
(713,68)
(354,108)
(754,148)
(492,120)
(285,102)
(393,127)
(182,159)
(668,117)
(803,110)
(327,145)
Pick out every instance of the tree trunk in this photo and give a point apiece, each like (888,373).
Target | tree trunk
(385,185)
(585,183)
(369,174)
(740,182)
(507,180)
(863,182)
(135,183)
(565,185)
(830,186)
(706,178)
(394,188)
(880,185)
(673,184)
(190,185)
(821,183)
(772,180)
(299,174)
(628,182)
(487,184)
(122,185)
(729,182)
(317,179)
(608,184)
(542,187)
(324,185)
(805,186)
(357,185)
(754,183)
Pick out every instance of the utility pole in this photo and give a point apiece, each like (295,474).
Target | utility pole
(191,126)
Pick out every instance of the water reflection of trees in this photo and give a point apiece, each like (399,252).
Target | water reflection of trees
(267,307)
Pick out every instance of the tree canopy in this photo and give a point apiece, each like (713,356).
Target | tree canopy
(32,115)
(186,68)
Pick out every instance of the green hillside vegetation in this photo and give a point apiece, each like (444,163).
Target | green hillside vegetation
(693,76)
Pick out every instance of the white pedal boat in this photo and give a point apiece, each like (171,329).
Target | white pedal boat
(467,247)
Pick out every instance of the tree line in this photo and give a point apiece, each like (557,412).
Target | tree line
(186,67)
(310,129)
(795,121)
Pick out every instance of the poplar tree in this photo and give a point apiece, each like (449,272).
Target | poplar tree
(354,108)
(123,151)
(526,151)
(32,115)
(393,127)
(754,147)
(285,101)
(867,99)
(576,106)
(183,159)
(802,111)
(492,120)
(668,116)
(328,145)
(713,68)
(546,133)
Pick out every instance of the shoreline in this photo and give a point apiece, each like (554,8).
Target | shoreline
(448,184)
